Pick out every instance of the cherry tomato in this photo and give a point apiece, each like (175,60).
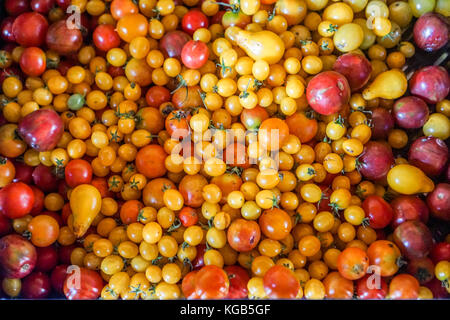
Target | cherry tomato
(105,37)
(211,282)
(194,20)
(87,287)
(16,200)
(194,54)
(378,211)
(280,283)
(78,172)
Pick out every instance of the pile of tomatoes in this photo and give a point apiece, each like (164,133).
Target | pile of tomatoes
(262,149)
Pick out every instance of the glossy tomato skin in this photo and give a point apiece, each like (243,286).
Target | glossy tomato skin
(243,235)
(404,286)
(280,283)
(384,254)
(17,200)
(77,172)
(410,112)
(191,187)
(235,19)
(173,42)
(431,83)
(378,211)
(438,202)
(6,29)
(431,32)
(188,285)
(23,172)
(38,203)
(376,160)
(383,122)
(42,6)
(157,95)
(41,129)
(211,282)
(36,286)
(238,278)
(414,239)
(30,29)
(33,61)
(89,288)
(252,118)
(62,39)
(301,126)
(194,54)
(105,37)
(408,208)
(422,269)
(328,92)
(355,67)
(188,216)
(57,277)
(338,287)
(17,256)
(194,20)
(275,224)
(429,154)
(199,261)
(367,288)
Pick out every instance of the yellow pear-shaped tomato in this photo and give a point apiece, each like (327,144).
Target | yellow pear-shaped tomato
(408,179)
(390,84)
(261,45)
(85,203)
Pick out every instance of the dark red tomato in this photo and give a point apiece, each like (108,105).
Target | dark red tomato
(376,160)
(82,284)
(62,39)
(217,18)
(173,42)
(194,54)
(16,7)
(440,252)
(193,20)
(63,188)
(38,203)
(408,208)
(431,32)
(235,19)
(422,269)
(17,256)
(41,129)
(383,122)
(17,200)
(64,253)
(328,92)
(63,66)
(188,216)
(438,201)
(116,71)
(5,226)
(23,172)
(404,286)
(338,287)
(105,37)
(243,235)
(280,283)
(410,112)
(199,262)
(44,178)
(58,276)
(355,67)
(378,211)
(36,286)
(414,239)
(439,291)
(156,96)
(33,61)
(78,172)
(431,83)
(6,29)
(42,6)
(47,258)
(252,118)
(211,282)
(325,202)
(188,285)
(429,154)
(29,29)
(371,287)
(238,278)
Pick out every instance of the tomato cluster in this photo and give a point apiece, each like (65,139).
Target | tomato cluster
(165,149)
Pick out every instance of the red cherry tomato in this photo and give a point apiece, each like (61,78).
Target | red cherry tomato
(371,288)
(194,54)
(17,200)
(29,29)
(105,37)
(239,278)
(188,216)
(78,172)
(378,211)
(194,20)
(211,282)
(83,284)
(280,283)
(33,61)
